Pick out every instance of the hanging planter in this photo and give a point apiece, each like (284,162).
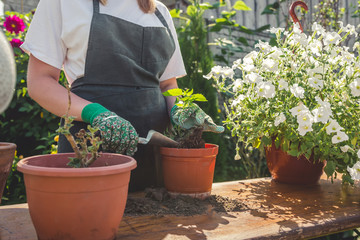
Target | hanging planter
(7,153)
(189,171)
(76,203)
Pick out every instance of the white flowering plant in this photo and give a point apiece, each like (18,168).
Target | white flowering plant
(302,95)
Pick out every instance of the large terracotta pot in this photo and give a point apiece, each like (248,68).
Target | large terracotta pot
(189,171)
(7,153)
(76,203)
(285,168)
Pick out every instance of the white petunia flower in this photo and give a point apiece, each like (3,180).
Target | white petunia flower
(356,46)
(297,91)
(316,83)
(279,119)
(347,57)
(354,171)
(248,67)
(276,30)
(250,57)
(339,137)
(238,100)
(315,47)
(227,72)
(345,148)
(263,46)
(265,89)
(321,114)
(324,103)
(333,127)
(355,87)
(332,38)
(317,71)
(275,53)
(305,118)
(238,84)
(283,85)
(270,65)
(298,109)
(318,28)
(253,77)
(215,72)
(237,63)
(358,154)
(351,30)
(303,129)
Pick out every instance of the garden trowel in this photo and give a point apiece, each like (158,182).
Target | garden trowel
(158,139)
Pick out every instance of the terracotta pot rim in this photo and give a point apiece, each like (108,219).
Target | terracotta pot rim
(25,166)
(209,150)
(7,145)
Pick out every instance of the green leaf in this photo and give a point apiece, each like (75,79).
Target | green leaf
(173,92)
(347,178)
(243,41)
(74,162)
(175,13)
(271,8)
(263,28)
(221,20)
(293,153)
(330,168)
(245,30)
(257,143)
(277,142)
(191,11)
(205,6)
(266,141)
(241,6)
(199,97)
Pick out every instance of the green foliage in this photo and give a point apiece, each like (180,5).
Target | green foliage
(193,38)
(185,97)
(232,44)
(24,122)
(297,95)
(328,14)
(14,191)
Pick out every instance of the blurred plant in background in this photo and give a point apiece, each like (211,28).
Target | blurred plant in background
(24,122)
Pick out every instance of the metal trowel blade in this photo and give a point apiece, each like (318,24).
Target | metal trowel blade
(155,138)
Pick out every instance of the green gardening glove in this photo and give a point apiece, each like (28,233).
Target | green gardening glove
(194,116)
(117,134)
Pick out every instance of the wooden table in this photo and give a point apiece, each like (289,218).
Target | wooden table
(273,211)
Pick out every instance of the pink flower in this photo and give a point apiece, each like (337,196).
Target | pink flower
(16,43)
(14,24)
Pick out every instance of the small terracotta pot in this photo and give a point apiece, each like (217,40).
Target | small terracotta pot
(285,168)
(7,154)
(189,171)
(76,203)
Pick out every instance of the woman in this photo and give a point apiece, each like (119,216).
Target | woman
(118,57)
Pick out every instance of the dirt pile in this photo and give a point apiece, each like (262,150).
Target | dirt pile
(163,204)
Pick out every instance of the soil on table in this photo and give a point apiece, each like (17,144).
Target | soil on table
(158,202)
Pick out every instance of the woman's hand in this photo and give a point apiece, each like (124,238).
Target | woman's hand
(117,134)
(194,116)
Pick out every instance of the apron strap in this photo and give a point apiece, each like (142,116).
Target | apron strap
(161,18)
(96,6)
(163,21)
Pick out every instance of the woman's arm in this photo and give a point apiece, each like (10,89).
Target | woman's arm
(43,86)
(166,85)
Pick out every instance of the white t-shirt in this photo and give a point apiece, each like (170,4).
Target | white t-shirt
(59,33)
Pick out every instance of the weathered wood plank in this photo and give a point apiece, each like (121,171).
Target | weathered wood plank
(273,210)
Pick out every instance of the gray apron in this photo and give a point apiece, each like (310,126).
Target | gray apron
(123,65)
